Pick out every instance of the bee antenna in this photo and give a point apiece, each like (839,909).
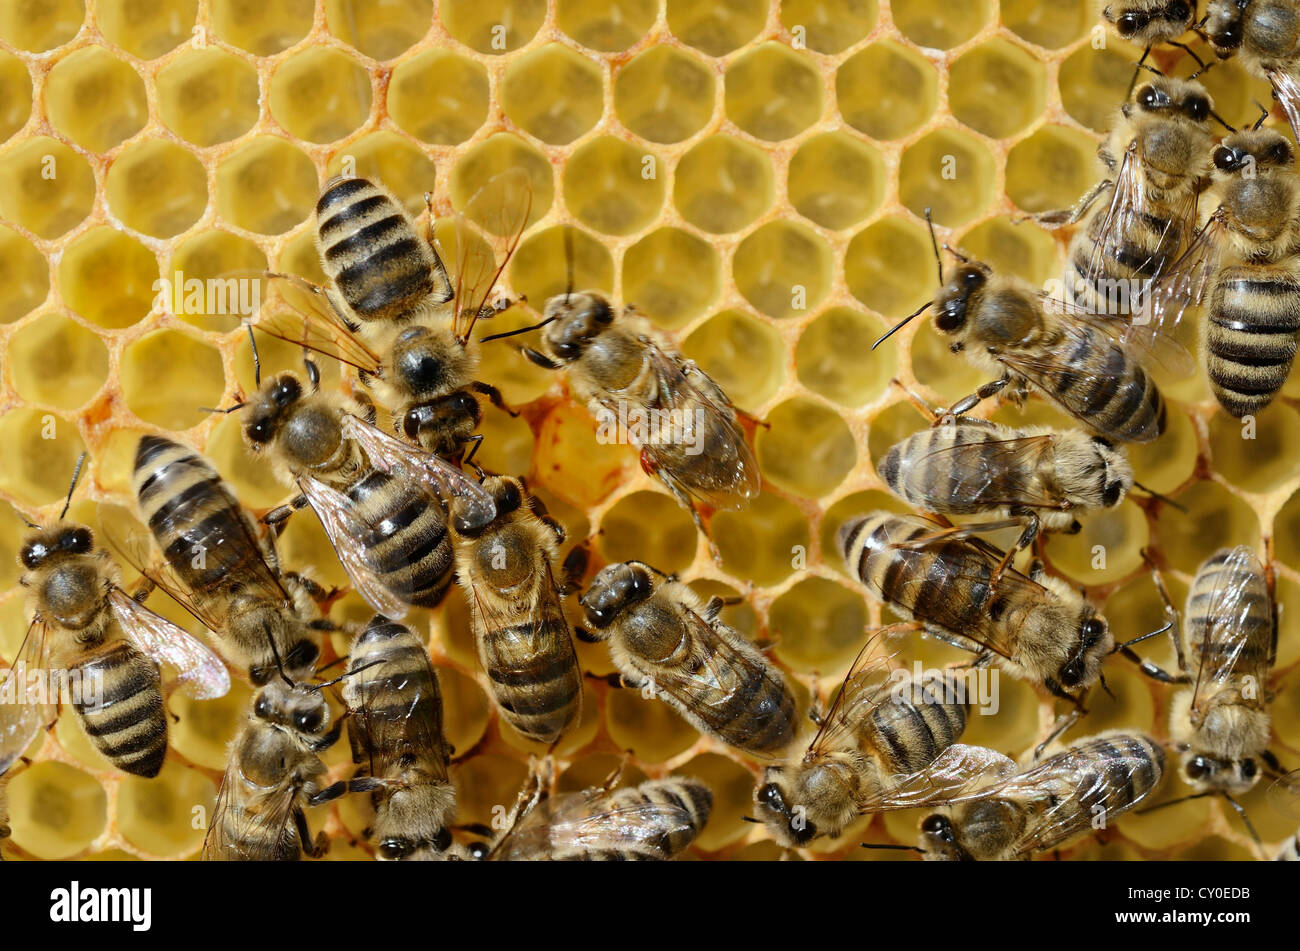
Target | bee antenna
(217,409)
(257,359)
(1172,802)
(902,323)
(569,263)
(275,653)
(883,846)
(1163,498)
(1250,826)
(520,330)
(1141,637)
(757,822)
(341,677)
(934,243)
(1263,114)
(76,474)
(1219,119)
(1104,686)
(1192,53)
(1151,69)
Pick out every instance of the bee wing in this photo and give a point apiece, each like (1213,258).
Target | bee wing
(1239,585)
(956,774)
(306,316)
(1183,284)
(199,672)
(571,824)
(502,207)
(974,467)
(345,532)
(1283,794)
(21,723)
(256,835)
(1287,92)
(865,687)
(387,733)
(390,454)
(1129,206)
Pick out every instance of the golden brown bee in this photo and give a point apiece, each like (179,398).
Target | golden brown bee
(963,590)
(396,734)
(1264,35)
(214,565)
(507,564)
(639,388)
(90,637)
(881,725)
(666,640)
(657,820)
(1083,788)
(1149,23)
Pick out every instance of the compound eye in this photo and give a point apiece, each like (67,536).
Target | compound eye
(441,840)
(393,849)
(1093,630)
(1279,153)
(1178,11)
(770,795)
(972,278)
(1225,159)
(1198,768)
(286,391)
(510,498)
(1130,23)
(937,826)
(1151,98)
(32,555)
(1248,769)
(309,722)
(565,350)
(262,708)
(78,541)
(260,431)
(1197,108)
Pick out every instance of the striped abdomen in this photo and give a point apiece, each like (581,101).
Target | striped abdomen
(405,537)
(970,479)
(1105,388)
(1124,261)
(1250,338)
(1228,626)
(381,266)
(673,811)
(534,671)
(916,725)
(126,722)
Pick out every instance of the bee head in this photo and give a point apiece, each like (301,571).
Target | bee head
(939,839)
(615,589)
(1253,149)
(267,411)
(1210,774)
(1223,26)
(295,708)
(1114,473)
(52,544)
(576,320)
(953,300)
(70,589)
(784,801)
(1084,662)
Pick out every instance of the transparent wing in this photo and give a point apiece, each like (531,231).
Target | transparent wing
(502,208)
(199,672)
(957,773)
(865,687)
(390,455)
(302,313)
(21,722)
(345,533)
(1287,92)
(1237,600)
(578,822)
(1183,285)
(1283,795)
(250,835)
(973,469)
(387,733)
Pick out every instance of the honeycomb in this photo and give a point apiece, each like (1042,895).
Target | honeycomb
(751,176)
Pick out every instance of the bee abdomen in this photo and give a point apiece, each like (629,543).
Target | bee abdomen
(1110,391)
(690,797)
(908,471)
(1250,340)
(911,730)
(378,261)
(1123,769)
(539,690)
(128,724)
(405,538)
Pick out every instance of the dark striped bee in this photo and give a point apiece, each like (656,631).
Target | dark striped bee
(508,565)
(107,645)
(396,734)
(214,565)
(1149,23)
(1264,36)
(1023,812)
(664,638)
(879,727)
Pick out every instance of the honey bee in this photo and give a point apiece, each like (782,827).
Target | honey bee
(878,727)
(664,638)
(963,590)
(380,500)
(683,424)
(507,565)
(1149,23)
(1264,35)
(214,565)
(1048,804)
(396,734)
(392,312)
(274,773)
(654,821)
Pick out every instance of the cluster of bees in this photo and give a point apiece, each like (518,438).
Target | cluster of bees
(409,513)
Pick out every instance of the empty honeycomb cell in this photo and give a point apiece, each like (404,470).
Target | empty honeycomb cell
(941,25)
(783,268)
(575,738)
(1286,531)
(380,30)
(57,361)
(167,376)
(299,256)
(208,96)
(157,188)
(553,93)
(56,810)
(835,180)
(13,628)
(613,186)
(440,97)
(834,357)
(1256,453)
(741,353)
(664,94)
(805,448)
(818,626)
(387,157)
(95,99)
(1288,647)
(493,26)
(466,709)
(259,27)
(319,95)
(948,172)
(650,527)
(205,728)
(889,266)
(828,26)
(267,186)
(488,159)
(539,270)
(37,444)
(1215,849)
(40,25)
(71,734)
(722,184)
(305,545)
(486,787)
(567,443)
(1128,704)
(15,95)
(606,25)
(650,730)
(214,280)
(593,771)
(733,797)
(1051,169)
(1166,464)
(859,503)
(886,90)
(1234,91)
(1107,549)
(12,533)
(741,616)
(1094,82)
(45,186)
(1051,25)
(1004,712)
(1012,246)
(892,426)
(948,374)
(1286,712)
(716,28)
(671,275)
(252,479)
(24,276)
(108,278)
(519,379)
(772,92)
(764,542)
(1215,518)
(997,88)
(165,815)
(146,28)
(507,442)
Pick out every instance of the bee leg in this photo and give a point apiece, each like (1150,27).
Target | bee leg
(278,517)
(1069,216)
(318,846)
(925,409)
(1175,620)
(447,292)
(1062,725)
(494,396)
(584,635)
(541,359)
(965,405)
(1037,571)
(575,568)
(1025,540)
(716,603)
